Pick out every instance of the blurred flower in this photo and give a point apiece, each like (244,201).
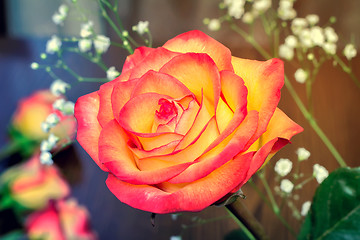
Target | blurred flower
(248,18)
(59,87)
(320,173)
(61,220)
(175,238)
(142,27)
(283,166)
(303,154)
(298,24)
(286,10)
(59,16)
(286,186)
(101,43)
(112,73)
(317,35)
(329,48)
(36,113)
(53,45)
(291,41)
(84,45)
(214,24)
(301,75)
(32,184)
(235,8)
(312,19)
(305,208)
(46,157)
(286,52)
(349,51)
(86,29)
(261,6)
(330,35)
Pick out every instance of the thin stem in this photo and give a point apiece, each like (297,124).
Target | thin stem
(244,216)
(347,70)
(268,191)
(300,185)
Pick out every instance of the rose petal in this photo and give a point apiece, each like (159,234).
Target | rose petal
(118,158)
(198,42)
(137,57)
(264,81)
(105,113)
(189,154)
(193,197)
(153,61)
(198,72)
(120,95)
(160,83)
(221,153)
(88,131)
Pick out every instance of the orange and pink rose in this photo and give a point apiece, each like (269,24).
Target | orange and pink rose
(32,184)
(33,110)
(61,220)
(184,124)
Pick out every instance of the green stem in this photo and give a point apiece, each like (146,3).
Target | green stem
(246,220)
(347,70)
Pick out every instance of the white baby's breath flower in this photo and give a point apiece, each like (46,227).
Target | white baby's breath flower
(286,10)
(101,43)
(301,75)
(298,24)
(52,119)
(34,65)
(302,154)
(214,24)
(53,45)
(331,35)
(317,35)
(68,108)
(286,186)
(84,45)
(45,146)
(261,6)
(305,208)
(63,9)
(58,87)
(112,73)
(248,18)
(175,238)
(283,166)
(52,140)
(329,48)
(86,29)
(291,41)
(286,52)
(46,158)
(349,51)
(59,104)
(59,16)
(235,8)
(306,38)
(320,173)
(142,27)
(45,127)
(312,19)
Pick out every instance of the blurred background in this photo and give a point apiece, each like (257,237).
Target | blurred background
(26,25)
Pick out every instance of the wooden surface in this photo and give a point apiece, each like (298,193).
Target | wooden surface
(336,107)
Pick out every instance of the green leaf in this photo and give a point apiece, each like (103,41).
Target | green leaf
(335,211)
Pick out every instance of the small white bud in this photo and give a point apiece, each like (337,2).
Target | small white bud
(86,29)
(34,65)
(291,41)
(46,158)
(349,51)
(320,173)
(286,186)
(330,35)
(101,43)
(303,154)
(317,35)
(52,140)
(58,87)
(312,19)
(286,52)
(45,127)
(84,45)
(214,24)
(301,75)
(45,146)
(68,108)
(59,104)
(52,119)
(298,24)
(175,238)
(141,27)
(248,18)
(112,73)
(305,208)
(53,45)
(283,166)
(329,48)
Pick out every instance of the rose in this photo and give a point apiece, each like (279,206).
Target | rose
(61,220)
(32,111)
(32,184)
(185,124)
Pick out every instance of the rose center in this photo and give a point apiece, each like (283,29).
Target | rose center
(167,110)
